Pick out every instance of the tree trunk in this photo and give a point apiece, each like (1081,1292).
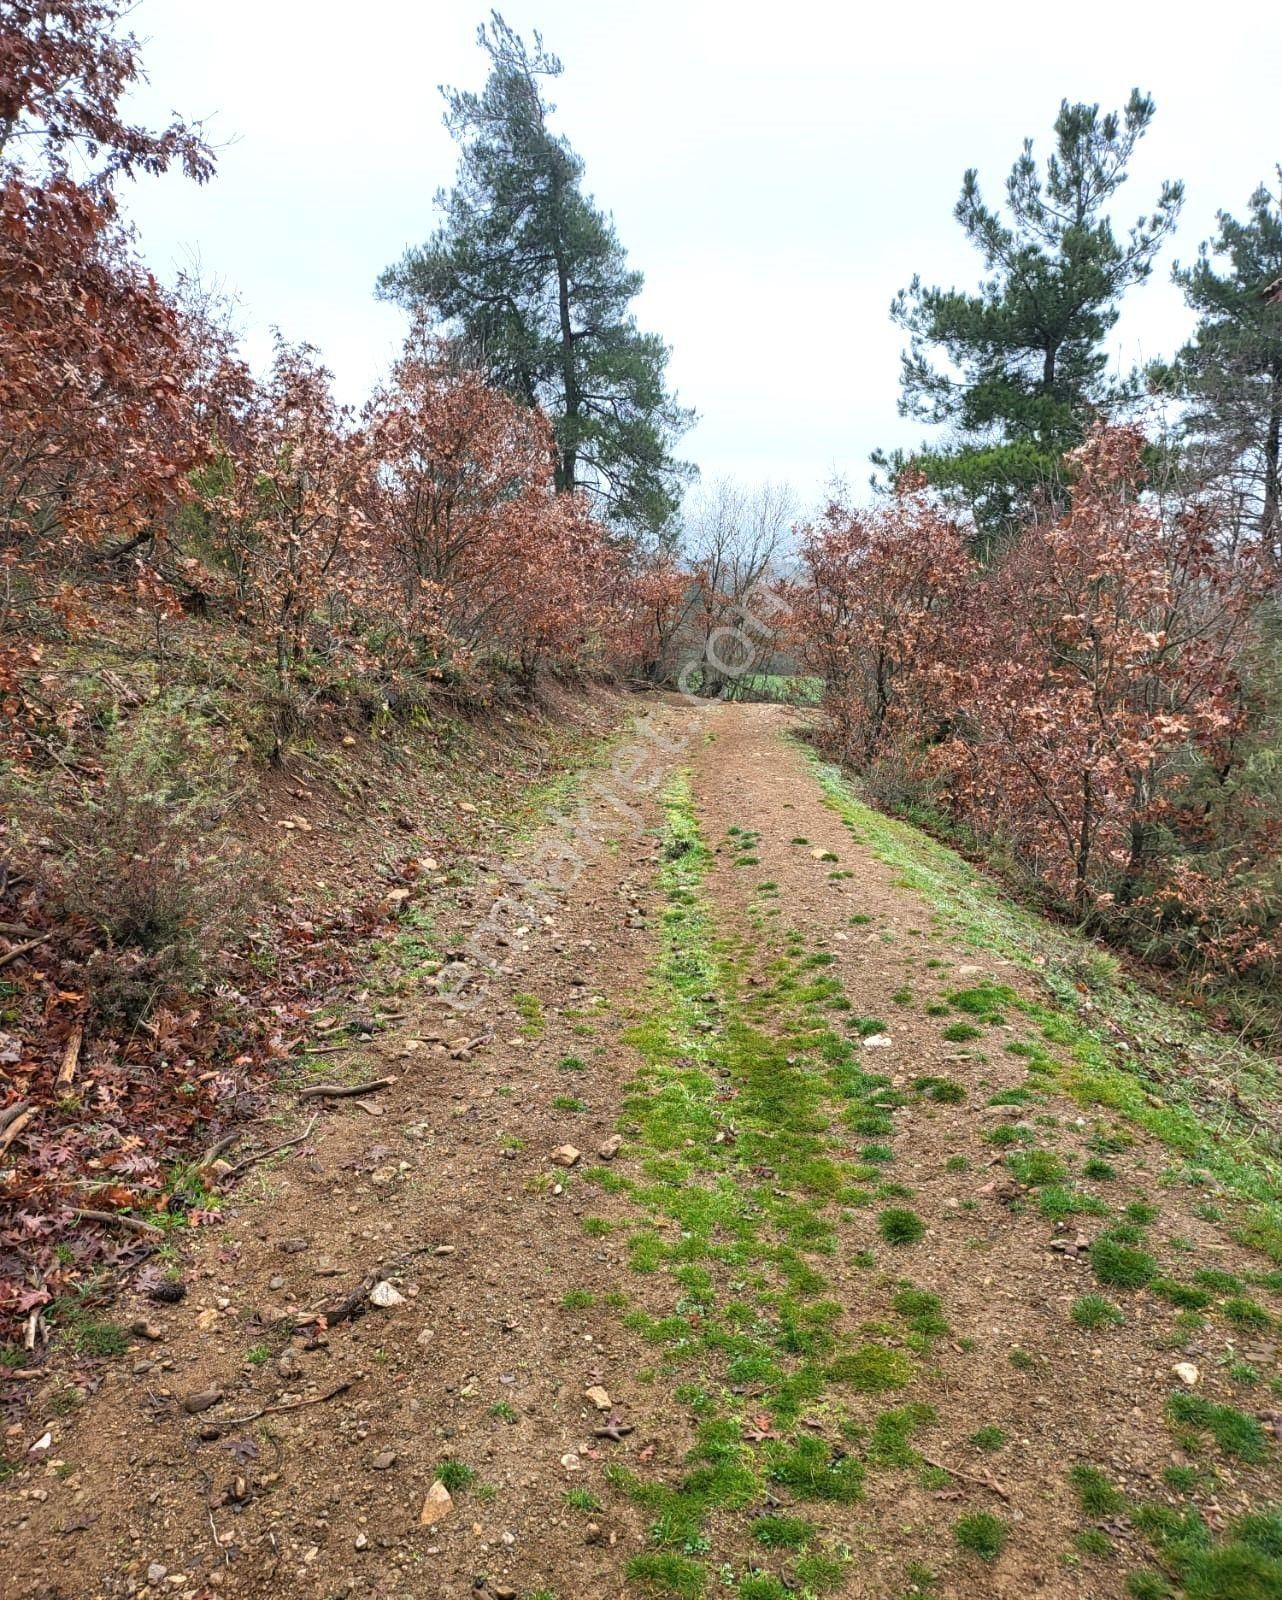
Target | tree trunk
(567,462)
(1271,515)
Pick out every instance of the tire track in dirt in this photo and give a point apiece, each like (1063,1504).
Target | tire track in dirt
(1062,1395)
(325,1500)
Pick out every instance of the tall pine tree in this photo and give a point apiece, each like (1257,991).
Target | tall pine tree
(527,274)
(1024,369)
(1230,374)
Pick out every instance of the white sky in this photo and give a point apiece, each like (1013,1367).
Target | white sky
(776,171)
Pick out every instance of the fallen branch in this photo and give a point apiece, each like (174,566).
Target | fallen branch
(261,1155)
(17,930)
(341,1091)
(10,1112)
(459,1051)
(215,1150)
(136,1224)
(22,949)
(71,1058)
(990,1484)
(284,1405)
(15,1126)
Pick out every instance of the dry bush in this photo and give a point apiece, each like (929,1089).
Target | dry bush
(151,867)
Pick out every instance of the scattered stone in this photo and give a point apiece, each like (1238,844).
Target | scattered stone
(596,1395)
(565,1155)
(201,1400)
(294,1246)
(168,1293)
(146,1330)
(360,1542)
(570,1461)
(384,1461)
(156,1573)
(437,1506)
(877,1041)
(1186,1372)
(592,1533)
(289,1366)
(276,1283)
(383,1294)
(611,1147)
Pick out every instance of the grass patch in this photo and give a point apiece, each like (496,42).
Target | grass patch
(668,1575)
(455,1475)
(900,1226)
(1215,1093)
(1091,1311)
(981,1534)
(530,1010)
(871,1368)
(1097,1496)
(1121,1266)
(1236,1434)
(784,1533)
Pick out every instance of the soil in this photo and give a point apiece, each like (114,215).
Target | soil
(445,1185)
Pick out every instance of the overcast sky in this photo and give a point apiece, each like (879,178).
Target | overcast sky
(776,171)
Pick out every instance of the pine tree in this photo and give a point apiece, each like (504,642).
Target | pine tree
(527,274)
(1024,366)
(1230,374)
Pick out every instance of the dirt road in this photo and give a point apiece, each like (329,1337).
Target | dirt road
(861,1304)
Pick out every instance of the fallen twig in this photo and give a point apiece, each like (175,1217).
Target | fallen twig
(71,1057)
(22,949)
(284,1405)
(341,1091)
(136,1224)
(17,930)
(327,1049)
(261,1155)
(990,1484)
(349,1305)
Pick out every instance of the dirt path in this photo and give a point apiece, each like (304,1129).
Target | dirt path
(828,1322)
